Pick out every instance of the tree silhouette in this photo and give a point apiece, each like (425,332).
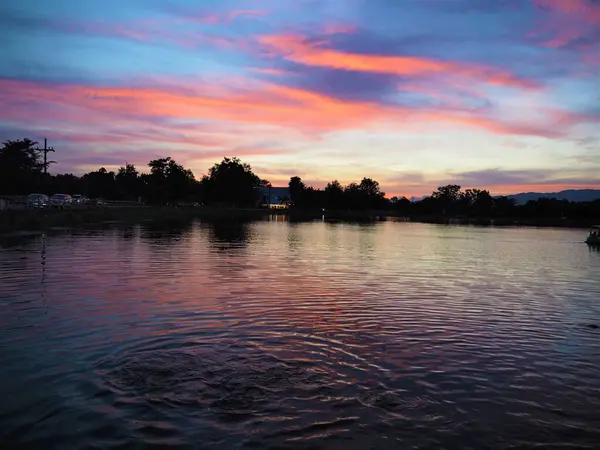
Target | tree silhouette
(334,195)
(476,202)
(128,182)
(231,182)
(99,184)
(446,197)
(168,181)
(21,166)
(297,188)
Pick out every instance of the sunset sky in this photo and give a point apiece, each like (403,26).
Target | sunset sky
(497,94)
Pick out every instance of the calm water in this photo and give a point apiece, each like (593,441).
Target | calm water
(313,335)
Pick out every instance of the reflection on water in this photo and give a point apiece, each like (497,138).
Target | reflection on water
(300,335)
(229,235)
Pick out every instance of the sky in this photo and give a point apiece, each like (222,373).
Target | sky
(495,94)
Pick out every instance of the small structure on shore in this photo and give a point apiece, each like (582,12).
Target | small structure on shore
(272,197)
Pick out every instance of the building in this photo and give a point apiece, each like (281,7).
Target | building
(272,197)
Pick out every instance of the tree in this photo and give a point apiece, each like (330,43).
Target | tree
(482,206)
(65,183)
(450,192)
(401,205)
(297,189)
(446,197)
(128,181)
(334,195)
(232,181)
(504,207)
(366,195)
(100,184)
(168,182)
(21,167)
(373,196)
(475,202)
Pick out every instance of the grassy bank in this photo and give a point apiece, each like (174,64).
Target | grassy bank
(31,220)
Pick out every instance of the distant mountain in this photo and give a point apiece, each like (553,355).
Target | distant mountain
(572,195)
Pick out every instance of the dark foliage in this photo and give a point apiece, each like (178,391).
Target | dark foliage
(21,166)
(231,183)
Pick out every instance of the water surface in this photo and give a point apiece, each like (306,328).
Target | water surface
(311,335)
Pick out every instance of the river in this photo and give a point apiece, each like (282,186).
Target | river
(273,334)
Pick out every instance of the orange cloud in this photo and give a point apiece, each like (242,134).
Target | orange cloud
(269,71)
(259,104)
(298,49)
(125,137)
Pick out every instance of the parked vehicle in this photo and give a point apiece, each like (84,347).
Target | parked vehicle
(37,201)
(61,200)
(79,199)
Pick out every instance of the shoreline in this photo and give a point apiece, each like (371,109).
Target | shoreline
(24,220)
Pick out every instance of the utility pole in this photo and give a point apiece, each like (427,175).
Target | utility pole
(46,149)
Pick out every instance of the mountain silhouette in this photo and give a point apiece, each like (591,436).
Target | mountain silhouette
(572,195)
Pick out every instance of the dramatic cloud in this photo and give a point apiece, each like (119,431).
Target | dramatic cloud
(498,94)
(266,104)
(570,24)
(301,50)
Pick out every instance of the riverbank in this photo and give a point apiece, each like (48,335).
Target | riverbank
(554,222)
(33,220)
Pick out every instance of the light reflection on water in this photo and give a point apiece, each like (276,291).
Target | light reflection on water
(310,335)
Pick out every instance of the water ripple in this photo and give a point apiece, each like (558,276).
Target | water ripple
(314,335)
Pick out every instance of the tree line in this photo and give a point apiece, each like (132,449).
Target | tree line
(232,182)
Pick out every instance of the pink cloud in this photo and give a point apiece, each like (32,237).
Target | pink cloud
(567,21)
(298,49)
(339,28)
(269,71)
(128,137)
(198,162)
(588,10)
(257,104)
